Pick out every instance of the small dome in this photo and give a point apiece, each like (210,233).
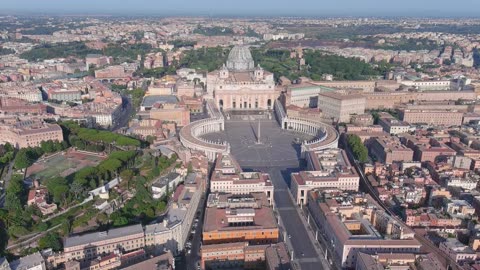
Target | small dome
(240,59)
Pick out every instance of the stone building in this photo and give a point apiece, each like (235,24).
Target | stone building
(341,107)
(29,133)
(239,85)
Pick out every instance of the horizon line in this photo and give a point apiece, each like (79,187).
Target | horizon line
(229,15)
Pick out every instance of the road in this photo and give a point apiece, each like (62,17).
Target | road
(7,180)
(127,110)
(302,241)
(194,257)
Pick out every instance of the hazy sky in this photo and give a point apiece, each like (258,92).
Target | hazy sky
(251,7)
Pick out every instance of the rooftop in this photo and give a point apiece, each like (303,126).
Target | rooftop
(105,235)
(238,212)
(149,101)
(27,262)
(340,96)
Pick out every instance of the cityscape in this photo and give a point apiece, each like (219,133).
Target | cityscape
(162,135)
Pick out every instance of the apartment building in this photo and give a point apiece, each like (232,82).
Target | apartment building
(326,169)
(353,223)
(432,117)
(389,149)
(239,218)
(172,233)
(394,126)
(89,246)
(25,91)
(228,177)
(239,255)
(426,149)
(457,251)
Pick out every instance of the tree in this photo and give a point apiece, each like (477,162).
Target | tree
(118,220)
(15,193)
(77,189)
(358,148)
(17,231)
(60,50)
(58,188)
(127,176)
(8,147)
(160,207)
(47,146)
(66,227)
(42,227)
(24,158)
(50,240)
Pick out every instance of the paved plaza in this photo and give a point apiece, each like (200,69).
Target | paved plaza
(277,147)
(278,154)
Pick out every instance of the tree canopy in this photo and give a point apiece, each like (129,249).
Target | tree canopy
(340,67)
(59,50)
(50,240)
(358,148)
(208,59)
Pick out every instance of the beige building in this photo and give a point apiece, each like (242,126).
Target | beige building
(393,126)
(179,114)
(352,223)
(89,246)
(326,169)
(457,251)
(388,100)
(159,87)
(432,117)
(365,86)
(173,232)
(398,261)
(239,218)
(305,94)
(29,133)
(239,85)
(340,107)
(228,177)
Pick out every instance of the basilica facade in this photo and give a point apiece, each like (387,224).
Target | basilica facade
(239,85)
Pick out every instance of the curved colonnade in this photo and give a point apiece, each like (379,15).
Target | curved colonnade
(190,134)
(326,136)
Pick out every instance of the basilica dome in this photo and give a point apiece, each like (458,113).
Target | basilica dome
(240,59)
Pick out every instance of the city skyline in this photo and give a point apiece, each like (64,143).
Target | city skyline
(430,8)
(205,135)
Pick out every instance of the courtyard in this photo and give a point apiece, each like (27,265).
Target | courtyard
(276,147)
